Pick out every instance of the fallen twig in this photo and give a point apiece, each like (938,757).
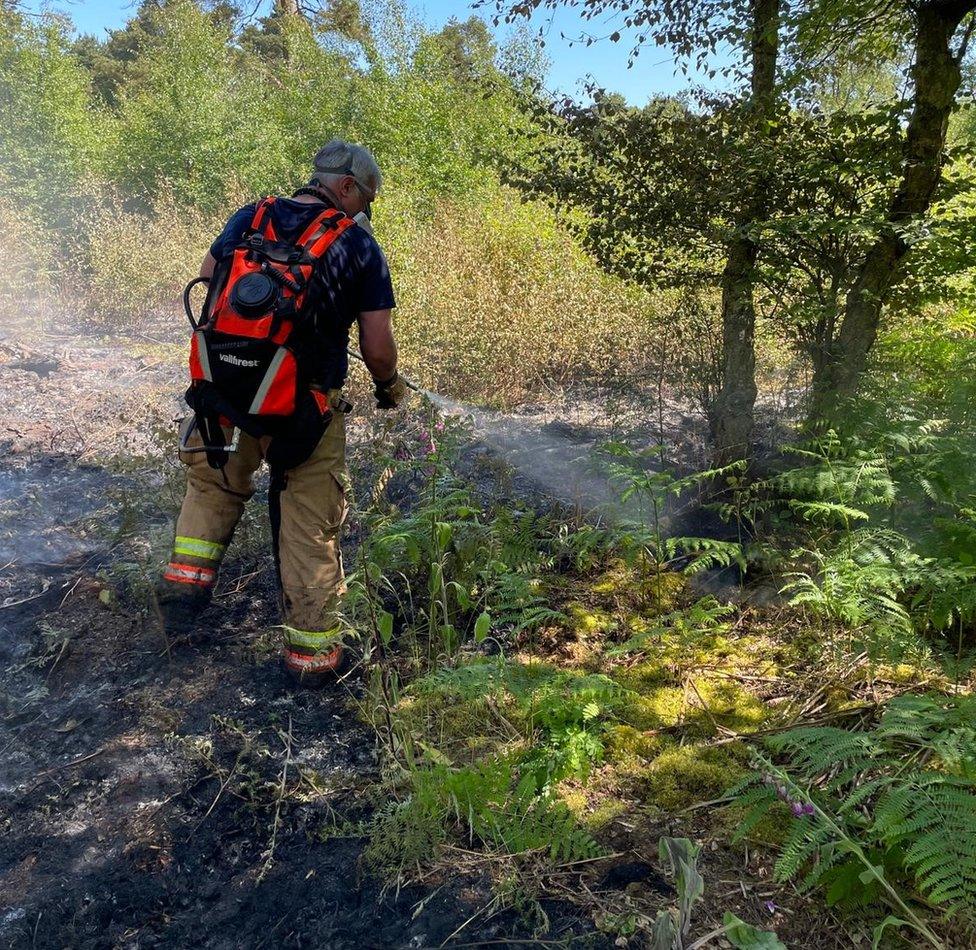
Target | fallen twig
(66,765)
(269,857)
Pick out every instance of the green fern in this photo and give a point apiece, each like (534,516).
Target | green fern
(903,790)
(887,531)
(934,818)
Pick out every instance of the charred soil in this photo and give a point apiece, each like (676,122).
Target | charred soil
(162,796)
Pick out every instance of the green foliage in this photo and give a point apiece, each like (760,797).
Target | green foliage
(945,725)
(563,714)
(827,171)
(681,857)
(688,627)
(898,798)
(447,562)
(486,803)
(672,926)
(188,122)
(644,539)
(51,133)
(744,936)
(881,529)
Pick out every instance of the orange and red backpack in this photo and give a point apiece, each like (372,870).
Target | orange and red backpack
(248,364)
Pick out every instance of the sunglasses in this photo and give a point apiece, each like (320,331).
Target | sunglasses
(370,197)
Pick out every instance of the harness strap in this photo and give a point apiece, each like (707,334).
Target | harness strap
(205,398)
(325,236)
(209,405)
(262,211)
(329,218)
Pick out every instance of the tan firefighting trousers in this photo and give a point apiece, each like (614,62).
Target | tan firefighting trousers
(307,512)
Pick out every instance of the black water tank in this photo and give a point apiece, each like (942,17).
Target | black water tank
(254,295)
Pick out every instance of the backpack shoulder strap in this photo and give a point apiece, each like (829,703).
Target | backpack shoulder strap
(322,232)
(262,215)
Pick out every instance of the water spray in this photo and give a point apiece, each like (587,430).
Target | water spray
(558,465)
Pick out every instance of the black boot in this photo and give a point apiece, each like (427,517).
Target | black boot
(178,610)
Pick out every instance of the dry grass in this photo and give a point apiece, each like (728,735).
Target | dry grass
(497,302)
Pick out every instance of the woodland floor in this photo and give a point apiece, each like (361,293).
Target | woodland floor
(121,825)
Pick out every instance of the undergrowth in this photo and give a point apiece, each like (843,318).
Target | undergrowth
(880,812)
(533,680)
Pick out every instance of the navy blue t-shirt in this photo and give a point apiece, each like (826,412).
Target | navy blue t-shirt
(352,277)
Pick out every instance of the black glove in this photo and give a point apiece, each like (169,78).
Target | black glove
(391,393)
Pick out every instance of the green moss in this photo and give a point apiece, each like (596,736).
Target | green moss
(731,704)
(648,675)
(462,729)
(683,775)
(904,674)
(623,742)
(603,813)
(595,807)
(772,830)
(632,585)
(657,708)
(589,621)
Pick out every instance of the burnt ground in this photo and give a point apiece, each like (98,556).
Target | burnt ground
(140,785)
(156,795)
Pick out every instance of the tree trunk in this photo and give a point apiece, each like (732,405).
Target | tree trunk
(732,414)
(936,77)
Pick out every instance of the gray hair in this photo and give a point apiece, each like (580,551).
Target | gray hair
(338,158)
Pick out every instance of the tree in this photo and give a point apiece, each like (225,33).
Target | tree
(864,272)
(936,76)
(733,415)
(466,49)
(118,60)
(51,134)
(692,29)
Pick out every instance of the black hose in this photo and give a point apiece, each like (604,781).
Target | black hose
(186,300)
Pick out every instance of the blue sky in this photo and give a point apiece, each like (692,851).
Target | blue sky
(606,62)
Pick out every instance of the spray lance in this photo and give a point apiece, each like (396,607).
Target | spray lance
(409,383)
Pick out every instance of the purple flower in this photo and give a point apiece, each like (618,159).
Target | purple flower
(769,907)
(808,809)
(439,427)
(797,809)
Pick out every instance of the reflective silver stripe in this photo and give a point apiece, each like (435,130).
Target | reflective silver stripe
(269,376)
(204,356)
(197,547)
(186,572)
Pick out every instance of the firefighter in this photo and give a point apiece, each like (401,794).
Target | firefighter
(309,495)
